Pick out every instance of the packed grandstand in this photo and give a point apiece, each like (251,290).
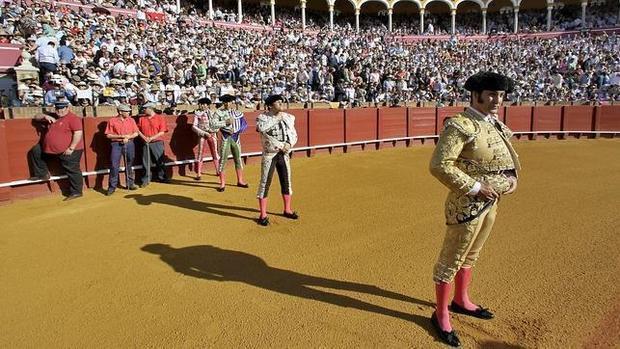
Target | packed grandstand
(112,52)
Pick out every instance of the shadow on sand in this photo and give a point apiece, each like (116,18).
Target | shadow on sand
(213,263)
(191,204)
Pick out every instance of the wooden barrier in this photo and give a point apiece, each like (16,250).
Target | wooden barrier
(301,125)
(5,174)
(577,118)
(519,119)
(327,129)
(392,124)
(547,118)
(422,122)
(360,125)
(607,117)
(25,112)
(97,151)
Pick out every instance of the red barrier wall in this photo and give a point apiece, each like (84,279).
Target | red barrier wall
(301,125)
(314,127)
(21,135)
(422,122)
(97,150)
(501,114)
(361,124)
(578,118)
(392,122)
(5,175)
(547,118)
(250,139)
(607,117)
(326,126)
(519,118)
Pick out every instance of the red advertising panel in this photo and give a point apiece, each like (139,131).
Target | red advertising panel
(301,125)
(361,124)
(607,118)
(326,126)
(578,118)
(422,121)
(392,123)
(547,118)
(250,139)
(519,118)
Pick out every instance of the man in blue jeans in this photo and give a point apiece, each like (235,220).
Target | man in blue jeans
(151,128)
(121,131)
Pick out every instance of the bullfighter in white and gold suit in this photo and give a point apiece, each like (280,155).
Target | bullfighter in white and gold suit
(475,160)
(278,136)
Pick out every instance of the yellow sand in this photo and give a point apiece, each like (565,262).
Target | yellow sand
(355,271)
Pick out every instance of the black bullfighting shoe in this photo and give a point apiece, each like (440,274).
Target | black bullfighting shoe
(450,338)
(292,215)
(263,221)
(243,185)
(480,313)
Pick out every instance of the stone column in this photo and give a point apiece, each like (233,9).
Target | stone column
(273,12)
(357,20)
(584,5)
(549,15)
(239,11)
(421,21)
(453,21)
(484,22)
(210,9)
(390,19)
(178,6)
(516,11)
(331,17)
(303,15)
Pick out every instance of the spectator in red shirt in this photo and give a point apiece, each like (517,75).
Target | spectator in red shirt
(64,140)
(121,131)
(151,127)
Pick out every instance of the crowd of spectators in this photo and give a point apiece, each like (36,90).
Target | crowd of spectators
(95,59)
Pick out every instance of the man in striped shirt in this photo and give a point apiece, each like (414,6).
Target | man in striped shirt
(231,124)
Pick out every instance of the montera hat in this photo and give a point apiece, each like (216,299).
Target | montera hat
(204,100)
(272,99)
(227,98)
(489,81)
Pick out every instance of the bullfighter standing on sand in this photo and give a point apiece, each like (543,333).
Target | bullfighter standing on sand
(476,161)
(278,136)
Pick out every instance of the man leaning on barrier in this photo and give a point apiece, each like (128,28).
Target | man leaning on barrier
(121,131)
(151,128)
(63,139)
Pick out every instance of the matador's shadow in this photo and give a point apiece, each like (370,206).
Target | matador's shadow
(213,263)
(190,203)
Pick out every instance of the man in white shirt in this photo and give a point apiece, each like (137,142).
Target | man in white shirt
(47,57)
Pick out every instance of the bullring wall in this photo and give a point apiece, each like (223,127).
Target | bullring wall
(320,130)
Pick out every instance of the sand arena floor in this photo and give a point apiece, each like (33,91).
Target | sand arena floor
(185,266)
